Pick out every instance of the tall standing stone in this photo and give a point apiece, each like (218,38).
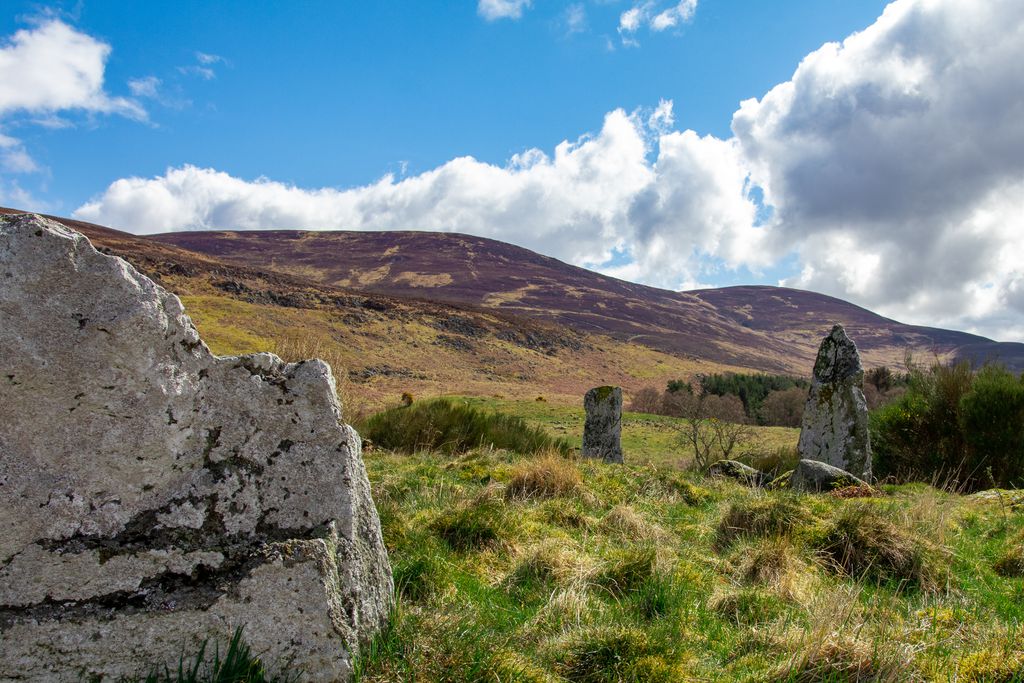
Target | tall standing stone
(602,431)
(834,429)
(154,496)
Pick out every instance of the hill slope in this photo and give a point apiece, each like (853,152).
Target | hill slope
(767,328)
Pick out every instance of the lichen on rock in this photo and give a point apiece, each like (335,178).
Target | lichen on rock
(602,430)
(834,428)
(153,495)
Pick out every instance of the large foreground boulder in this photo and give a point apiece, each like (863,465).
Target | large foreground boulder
(834,428)
(602,430)
(153,496)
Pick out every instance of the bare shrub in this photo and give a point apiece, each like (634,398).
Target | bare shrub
(647,400)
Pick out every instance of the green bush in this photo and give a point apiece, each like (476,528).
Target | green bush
(954,428)
(453,427)
(992,419)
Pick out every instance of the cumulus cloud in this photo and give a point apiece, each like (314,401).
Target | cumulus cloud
(611,192)
(47,69)
(492,10)
(53,67)
(895,161)
(891,167)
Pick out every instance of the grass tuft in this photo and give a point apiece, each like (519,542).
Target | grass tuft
(863,541)
(626,570)
(238,664)
(1011,563)
(548,476)
(762,516)
(474,525)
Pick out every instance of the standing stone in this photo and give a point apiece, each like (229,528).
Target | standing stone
(834,429)
(603,429)
(154,496)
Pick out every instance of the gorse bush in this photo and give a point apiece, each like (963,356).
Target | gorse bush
(453,427)
(954,427)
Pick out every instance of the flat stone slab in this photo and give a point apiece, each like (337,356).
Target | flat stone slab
(817,477)
(153,495)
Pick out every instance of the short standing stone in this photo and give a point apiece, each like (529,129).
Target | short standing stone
(603,428)
(834,429)
(154,496)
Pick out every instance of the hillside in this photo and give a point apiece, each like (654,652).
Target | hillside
(382,346)
(767,328)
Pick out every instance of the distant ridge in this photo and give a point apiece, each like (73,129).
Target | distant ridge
(762,327)
(766,328)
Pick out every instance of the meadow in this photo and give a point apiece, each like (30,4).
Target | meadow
(540,567)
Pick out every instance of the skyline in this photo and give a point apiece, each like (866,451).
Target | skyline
(678,144)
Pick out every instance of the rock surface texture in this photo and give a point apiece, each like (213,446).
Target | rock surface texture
(153,495)
(734,469)
(602,430)
(834,428)
(820,477)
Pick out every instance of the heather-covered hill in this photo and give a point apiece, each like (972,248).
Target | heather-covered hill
(767,328)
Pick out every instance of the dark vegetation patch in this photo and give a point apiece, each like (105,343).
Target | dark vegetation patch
(454,427)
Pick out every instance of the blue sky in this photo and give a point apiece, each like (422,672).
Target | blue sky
(450,116)
(339,93)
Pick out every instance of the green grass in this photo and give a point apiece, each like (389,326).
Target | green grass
(646,439)
(626,574)
(237,664)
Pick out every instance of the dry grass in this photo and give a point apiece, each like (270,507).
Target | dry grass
(624,521)
(549,475)
(866,540)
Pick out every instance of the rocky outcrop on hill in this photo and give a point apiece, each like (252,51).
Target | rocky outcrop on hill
(153,496)
(834,428)
(602,430)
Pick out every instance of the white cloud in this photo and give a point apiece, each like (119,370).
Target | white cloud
(53,67)
(895,162)
(148,86)
(655,16)
(13,156)
(673,16)
(47,70)
(575,18)
(206,58)
(492,10)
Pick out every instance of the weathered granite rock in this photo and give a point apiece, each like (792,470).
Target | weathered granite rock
(153,495)
(834,428)
(733,469)
(602,430)
(817,477)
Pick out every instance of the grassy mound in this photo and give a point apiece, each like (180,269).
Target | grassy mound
(454,427)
